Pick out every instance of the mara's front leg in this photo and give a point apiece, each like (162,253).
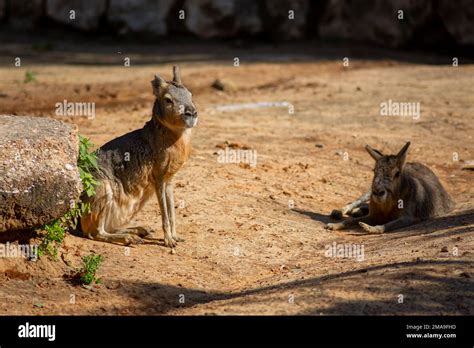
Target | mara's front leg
(349,222)
(171,211)
(402,221)
(160,188)
(351,207)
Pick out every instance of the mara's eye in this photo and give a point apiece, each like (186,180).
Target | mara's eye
(397,174)
(168,100)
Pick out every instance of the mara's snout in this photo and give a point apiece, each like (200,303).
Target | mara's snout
(190,119)
(380,195)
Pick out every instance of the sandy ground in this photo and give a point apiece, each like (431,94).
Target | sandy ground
(254,236)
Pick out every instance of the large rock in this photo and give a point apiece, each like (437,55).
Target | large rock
(25,14)
(39,178)
(375,21)
(458,18)
(222,18)
(140,16)
(282,23)
(86,13)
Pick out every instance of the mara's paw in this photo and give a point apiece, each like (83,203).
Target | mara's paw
(336,214)
(170,242)
(178,239)
(334,226)
(145,231)
(372,229)
(132,239)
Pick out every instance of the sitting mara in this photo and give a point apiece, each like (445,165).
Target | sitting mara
(135,165)
(402,194)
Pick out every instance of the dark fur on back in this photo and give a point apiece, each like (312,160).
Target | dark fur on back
(132,155)
(422,188)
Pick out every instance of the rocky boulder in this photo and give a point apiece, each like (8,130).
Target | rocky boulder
(140,16)
(375,21)
(222,18)
(39,178)
(84,15)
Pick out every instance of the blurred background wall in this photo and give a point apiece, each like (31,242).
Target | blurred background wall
(438,24)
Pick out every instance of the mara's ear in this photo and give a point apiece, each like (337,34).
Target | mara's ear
(375,154)
(176,74)
(402,155)
(157,84)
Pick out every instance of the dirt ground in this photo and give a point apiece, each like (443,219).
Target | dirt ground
(255,241)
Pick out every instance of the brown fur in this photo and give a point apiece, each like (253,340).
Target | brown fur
(402,194)
(134,166)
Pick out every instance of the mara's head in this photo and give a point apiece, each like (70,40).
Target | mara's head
(387,173)
(174,106)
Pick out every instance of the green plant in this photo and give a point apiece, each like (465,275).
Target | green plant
(30,76)
(54,236)
(55,231)
(87,164)
(90,264)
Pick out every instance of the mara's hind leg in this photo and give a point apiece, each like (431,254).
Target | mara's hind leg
(115,236)
(140,231)
(171,211)
(356,208)
(99,225)
(122,237)
(403,221)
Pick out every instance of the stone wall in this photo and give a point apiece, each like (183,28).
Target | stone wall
(391,23)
